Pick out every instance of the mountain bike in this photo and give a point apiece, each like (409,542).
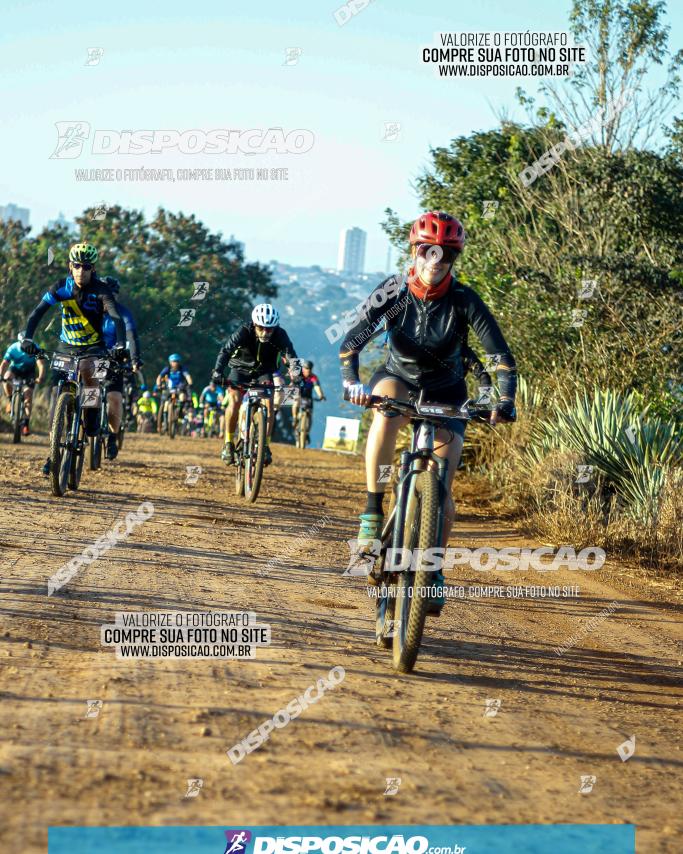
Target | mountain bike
(104,369)
(145,422)
(251,443)
(169,412)
(19,386)
(211,422)
(416,524)
(192,423)
(303,422)
(67,432)
(128,415)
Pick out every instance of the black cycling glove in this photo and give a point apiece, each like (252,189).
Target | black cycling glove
(119,354)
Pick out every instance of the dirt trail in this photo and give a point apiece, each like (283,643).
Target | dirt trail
(163,722)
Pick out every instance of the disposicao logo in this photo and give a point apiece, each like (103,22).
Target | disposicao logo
(237,841)
(396,844)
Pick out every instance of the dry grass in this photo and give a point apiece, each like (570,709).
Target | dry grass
(554,508)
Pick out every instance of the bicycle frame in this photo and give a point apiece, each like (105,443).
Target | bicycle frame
(73,384)
(252,398)
(413,462)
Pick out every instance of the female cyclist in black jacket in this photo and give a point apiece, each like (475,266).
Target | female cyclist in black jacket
(428,320)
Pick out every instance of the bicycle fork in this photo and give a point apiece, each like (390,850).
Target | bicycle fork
(406,477)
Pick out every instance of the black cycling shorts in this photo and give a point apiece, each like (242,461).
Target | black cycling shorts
(240,377)
(455,394)
(115,383)
(92,350)
(28,376)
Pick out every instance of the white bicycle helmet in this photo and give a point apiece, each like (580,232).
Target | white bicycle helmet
(265,314)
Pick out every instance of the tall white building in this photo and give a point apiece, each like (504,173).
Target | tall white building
(351,257)
(10,211)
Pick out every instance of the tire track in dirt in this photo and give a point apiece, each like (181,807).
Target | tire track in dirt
(163,722)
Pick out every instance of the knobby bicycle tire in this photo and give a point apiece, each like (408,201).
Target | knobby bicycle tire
(257,448)
(60,455)
(17,408)
(412,601)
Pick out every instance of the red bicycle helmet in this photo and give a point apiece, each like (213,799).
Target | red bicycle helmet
(439,228)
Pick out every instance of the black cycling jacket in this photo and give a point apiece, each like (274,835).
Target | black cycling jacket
(427,338)
(243,350)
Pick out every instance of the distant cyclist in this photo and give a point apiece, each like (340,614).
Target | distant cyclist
(309,383)
(147,411)
(176,378)
(253,353)
(426,337)
(212,398)
(85,301)
(115,385)
(20,366)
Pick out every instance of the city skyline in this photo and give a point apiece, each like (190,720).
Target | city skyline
(11,211)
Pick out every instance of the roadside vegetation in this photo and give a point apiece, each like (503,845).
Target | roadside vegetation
(583,267)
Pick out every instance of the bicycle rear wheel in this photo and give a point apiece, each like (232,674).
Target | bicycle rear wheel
(386,592)
(60,454)
(385,616)
(76,469)
(256,452)
(412,599)
(239,470)
(17,411)
(95,452)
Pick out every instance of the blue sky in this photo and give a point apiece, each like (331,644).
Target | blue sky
(221,65)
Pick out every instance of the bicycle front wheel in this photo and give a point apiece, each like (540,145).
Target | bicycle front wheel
(60,453)
(412,589)
(17,411)
(256,453)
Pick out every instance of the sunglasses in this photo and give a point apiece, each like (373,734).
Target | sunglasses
(77,266)
(437,254)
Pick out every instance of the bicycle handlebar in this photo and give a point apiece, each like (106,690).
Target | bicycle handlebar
(427,411)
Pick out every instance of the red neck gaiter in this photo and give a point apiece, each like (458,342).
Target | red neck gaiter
(427,292)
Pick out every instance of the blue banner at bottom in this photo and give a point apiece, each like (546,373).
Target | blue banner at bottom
(347,839)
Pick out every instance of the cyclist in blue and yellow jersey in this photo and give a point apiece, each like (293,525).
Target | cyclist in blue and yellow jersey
(115,384)
(19,365)
(252,354)
(85,301)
